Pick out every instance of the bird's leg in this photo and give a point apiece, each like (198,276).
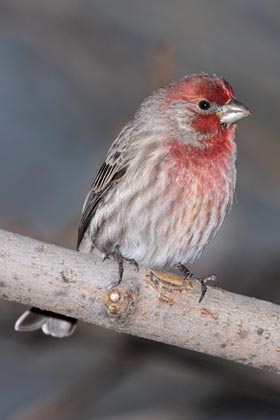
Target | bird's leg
(185,271)
(117,256)
(120,262)
(203,281)
(120,259)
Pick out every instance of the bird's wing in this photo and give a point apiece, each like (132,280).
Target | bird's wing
(110,173)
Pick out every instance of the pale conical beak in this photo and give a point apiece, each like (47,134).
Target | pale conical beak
(232,112)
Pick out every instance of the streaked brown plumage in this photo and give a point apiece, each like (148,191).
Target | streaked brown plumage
(168,179)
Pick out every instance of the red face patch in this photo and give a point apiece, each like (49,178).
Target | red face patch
(206,124)
(195,88)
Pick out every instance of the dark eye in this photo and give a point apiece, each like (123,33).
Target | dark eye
(204,105)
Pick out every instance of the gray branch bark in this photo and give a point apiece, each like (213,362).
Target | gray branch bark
(226,325)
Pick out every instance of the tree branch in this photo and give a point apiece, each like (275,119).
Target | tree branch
(227,325)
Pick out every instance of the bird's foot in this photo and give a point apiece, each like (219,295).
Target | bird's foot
(117,256)
(132,261)
(207,281)
(185,271)
(204,282)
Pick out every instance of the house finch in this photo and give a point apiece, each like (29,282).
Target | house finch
(166,185)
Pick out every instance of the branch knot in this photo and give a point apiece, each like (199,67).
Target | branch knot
(120,303)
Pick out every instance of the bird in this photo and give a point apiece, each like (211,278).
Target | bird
(165,187)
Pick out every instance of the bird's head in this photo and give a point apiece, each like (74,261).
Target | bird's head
(200,106)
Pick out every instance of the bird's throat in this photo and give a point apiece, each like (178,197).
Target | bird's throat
(214,150)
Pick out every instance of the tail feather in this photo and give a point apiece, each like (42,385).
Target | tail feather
(50,323)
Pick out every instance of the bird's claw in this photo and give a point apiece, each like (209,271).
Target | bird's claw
(136,265)
(132,261)
(206,282)
(188,275)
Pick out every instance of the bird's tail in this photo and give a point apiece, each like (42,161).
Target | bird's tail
(50,323)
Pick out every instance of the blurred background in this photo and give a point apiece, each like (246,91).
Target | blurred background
(72,73)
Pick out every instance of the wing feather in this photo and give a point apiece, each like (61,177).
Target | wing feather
(110,173)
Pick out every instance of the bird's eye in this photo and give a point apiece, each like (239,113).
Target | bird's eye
(204,105)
